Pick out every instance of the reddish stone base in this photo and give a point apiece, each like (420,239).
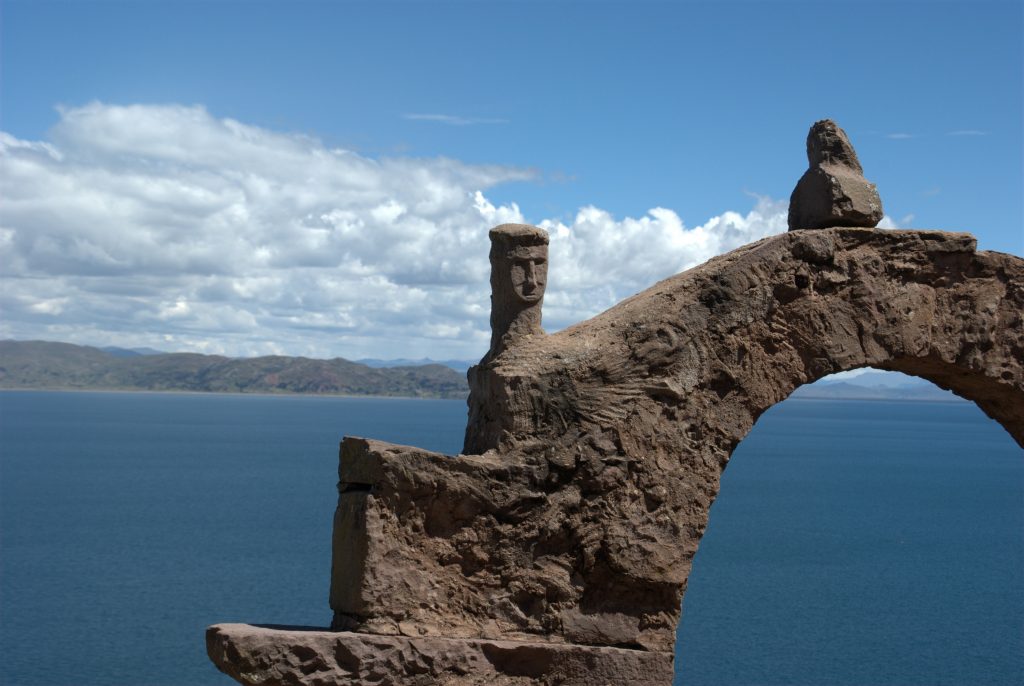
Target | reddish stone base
(288,655)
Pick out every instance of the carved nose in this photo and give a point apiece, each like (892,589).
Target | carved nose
(531,277)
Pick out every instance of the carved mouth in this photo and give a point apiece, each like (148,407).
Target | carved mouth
(531,294)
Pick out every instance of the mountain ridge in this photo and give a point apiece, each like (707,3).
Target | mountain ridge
(52,365)
(458,365)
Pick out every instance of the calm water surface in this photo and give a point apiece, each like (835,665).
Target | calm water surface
(853,542)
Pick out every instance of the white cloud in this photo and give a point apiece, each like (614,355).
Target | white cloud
(163,226)
(888,222)
(598,260)
(453,120)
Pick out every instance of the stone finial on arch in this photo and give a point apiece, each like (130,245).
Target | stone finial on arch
(833,190)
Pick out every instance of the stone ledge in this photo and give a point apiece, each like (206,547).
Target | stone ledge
(270,656)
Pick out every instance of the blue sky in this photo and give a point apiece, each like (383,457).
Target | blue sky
(366,146)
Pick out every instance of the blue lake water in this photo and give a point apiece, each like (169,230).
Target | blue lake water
(853,542)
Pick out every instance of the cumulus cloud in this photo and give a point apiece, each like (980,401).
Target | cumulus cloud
(164,226)
(597,259)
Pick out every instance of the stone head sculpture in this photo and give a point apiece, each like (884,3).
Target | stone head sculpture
(519,274)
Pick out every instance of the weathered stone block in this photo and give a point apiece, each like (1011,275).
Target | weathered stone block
(268,656)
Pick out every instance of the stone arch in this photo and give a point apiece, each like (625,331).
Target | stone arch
(651,397)
(557,549)
(744,330)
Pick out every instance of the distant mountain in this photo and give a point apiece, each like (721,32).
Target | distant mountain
(42,364)
(875,385)
(130,352)
(874,378)
(458,365)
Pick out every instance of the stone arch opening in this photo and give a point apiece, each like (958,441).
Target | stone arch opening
(999,401)
(827,542)
(989,390)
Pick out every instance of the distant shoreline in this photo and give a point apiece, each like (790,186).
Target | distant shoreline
(254,394)
(48,365)
(876,399)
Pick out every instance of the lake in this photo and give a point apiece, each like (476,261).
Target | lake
(853,542)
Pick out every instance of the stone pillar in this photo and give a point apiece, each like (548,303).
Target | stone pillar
(519,275)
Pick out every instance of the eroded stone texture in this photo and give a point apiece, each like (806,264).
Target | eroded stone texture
(593,456)
(833,190)
(284,656)
(576,512)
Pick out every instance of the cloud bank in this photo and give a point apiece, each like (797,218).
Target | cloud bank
(164,226)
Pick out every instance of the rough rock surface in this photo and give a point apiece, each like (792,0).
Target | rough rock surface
(593,455)
(833,190)
(282,656)
(596,452)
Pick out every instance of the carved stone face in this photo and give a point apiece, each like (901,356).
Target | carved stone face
(529,272)
(519,275)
